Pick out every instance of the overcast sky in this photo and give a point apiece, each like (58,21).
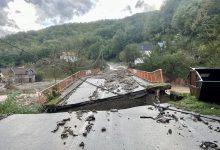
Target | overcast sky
(24,15)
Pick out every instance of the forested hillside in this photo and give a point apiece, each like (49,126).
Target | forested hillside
(189,28)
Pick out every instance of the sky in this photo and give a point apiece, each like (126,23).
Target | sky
(25,15)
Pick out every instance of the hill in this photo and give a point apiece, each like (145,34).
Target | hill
(189,28)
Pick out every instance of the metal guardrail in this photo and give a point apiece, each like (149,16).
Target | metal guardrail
(63,84)
(154,77)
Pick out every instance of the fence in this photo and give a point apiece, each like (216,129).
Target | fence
(155,76)
(63,84)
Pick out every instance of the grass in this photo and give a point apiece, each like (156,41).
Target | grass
(53,101)
(11,106)
(191,103)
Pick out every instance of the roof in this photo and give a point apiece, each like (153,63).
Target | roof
(68,53)
(4,70)
(21,70)
(145,47)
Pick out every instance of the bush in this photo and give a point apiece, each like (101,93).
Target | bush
(39,77)
(11,106)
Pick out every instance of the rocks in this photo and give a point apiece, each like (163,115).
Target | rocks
(164,120)
(3,116)
(90,118)
(82,145)
(60,123)
(217,129)
(89,127)
(169,131)
(147,117)
(103,129)
(113,110)
(80,113)
(150,108)
(66,132)
(209,146)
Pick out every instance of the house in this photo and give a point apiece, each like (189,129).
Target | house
(162,44)
(22,75)
(3,74)
(69,56)
(145,50)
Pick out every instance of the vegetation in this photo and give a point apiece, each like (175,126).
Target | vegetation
(11,106)
(191,103)
(188,30)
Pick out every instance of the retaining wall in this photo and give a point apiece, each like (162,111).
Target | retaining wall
(63,84)
(154,77)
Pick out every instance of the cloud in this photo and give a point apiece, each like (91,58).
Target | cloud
(128,8)
(4,20)
(145,6)
(139,4)
(60,11)
(4,32)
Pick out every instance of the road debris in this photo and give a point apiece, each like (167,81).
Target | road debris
(3,116)
(103,129)
(80,113)
(114,110)
(60,123)
(90,118)
(89,127)
(209,146)
(66,132)
(150,108)
(147,117)
(163,120)
(217,129)
(82,145)
(169,131)
(198,118)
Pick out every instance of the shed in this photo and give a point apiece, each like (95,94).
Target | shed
(204,83)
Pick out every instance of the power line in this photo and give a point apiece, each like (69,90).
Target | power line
(38,58)
(22,50)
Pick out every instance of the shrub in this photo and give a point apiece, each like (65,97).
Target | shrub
(11,106)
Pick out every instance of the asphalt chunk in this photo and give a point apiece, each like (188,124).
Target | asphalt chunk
(169,131)
(103,129)
(82,145)
(90,118)
(209,146)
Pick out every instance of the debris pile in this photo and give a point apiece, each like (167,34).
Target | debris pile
(117,80)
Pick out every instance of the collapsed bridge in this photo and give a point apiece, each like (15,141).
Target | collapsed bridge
(113,88)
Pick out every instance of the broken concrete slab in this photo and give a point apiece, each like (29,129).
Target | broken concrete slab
(18,131)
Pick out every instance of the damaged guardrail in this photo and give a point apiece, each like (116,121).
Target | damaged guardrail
(154,77)
(63,84)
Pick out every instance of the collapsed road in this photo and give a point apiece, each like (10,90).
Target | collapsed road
(111,130)
(112,88)
(101,120)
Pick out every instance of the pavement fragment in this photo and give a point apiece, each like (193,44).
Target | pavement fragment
(169,131)
(82,145)
(103,129)
(90,118)
(209,146)
(60,123)
(114,110)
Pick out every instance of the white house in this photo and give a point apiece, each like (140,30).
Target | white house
(69,56)
(145,50)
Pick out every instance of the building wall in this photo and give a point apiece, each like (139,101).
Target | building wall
(24,79)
